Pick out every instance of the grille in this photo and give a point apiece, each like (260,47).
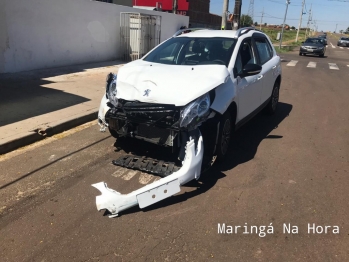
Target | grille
(160,114)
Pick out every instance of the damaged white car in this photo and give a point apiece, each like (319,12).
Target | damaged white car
(190,93)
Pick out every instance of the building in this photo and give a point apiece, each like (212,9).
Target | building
(117,2)
(197,10)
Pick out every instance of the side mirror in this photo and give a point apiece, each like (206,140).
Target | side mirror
(251,69)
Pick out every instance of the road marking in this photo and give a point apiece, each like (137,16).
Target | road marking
(145,178)
(119,172)
(292,63)
(129,175)
(312,64)
(341,47)
(347,65)
(332,45)
(333,66)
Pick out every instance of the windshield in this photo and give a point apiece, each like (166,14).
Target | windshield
(314,40)
(344,38)
(193,51)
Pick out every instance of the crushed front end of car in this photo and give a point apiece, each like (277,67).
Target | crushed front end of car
(166,125)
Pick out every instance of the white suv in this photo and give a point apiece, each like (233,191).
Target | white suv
(189,93)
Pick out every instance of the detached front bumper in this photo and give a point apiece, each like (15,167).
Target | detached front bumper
(115,202)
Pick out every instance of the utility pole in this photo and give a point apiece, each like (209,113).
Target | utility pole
(336,29)
(309,19)
(174,6)
(260,26)
(224,15)
(237,15)
(283,25)
(300,21)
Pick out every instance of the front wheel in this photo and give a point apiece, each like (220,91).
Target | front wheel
(274,99)
(224,136)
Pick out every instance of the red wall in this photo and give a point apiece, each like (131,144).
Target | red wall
(183,5)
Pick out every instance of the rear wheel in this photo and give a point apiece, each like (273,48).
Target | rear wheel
(300,53)
(274,99)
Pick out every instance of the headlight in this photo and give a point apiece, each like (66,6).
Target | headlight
(111,89)
(199,108)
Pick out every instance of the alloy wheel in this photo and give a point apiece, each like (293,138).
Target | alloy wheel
(275,98)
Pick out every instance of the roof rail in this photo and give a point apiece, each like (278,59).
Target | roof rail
(244,30)
(188,30)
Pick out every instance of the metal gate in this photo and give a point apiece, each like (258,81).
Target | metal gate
(139,33)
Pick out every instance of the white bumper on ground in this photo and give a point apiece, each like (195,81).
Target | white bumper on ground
(115,202)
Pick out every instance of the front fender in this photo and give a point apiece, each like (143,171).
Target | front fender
(225,95)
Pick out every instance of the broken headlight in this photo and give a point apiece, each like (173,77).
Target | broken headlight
(111,89)
(195,110)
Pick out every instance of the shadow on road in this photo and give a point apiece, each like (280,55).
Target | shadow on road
(243,148)
(25,95)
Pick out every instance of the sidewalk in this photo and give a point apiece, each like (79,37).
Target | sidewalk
(40,103)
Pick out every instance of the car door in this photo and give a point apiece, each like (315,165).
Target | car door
(269,62)
(248,87)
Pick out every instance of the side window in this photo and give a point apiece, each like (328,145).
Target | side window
(263,49)
(245,56)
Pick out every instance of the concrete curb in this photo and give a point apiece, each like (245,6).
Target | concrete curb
(50,131)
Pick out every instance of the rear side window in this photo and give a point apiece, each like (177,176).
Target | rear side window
(264,50)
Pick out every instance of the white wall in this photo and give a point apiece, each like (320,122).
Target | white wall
(37,34)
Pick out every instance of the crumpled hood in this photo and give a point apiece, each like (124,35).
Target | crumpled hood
(167,84)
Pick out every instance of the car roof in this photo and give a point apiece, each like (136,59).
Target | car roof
(210,33)
(198,32)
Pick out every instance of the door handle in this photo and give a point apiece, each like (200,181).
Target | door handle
(260,77)
(273,67)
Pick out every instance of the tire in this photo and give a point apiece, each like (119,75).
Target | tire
(300,54)
(274,99)
(224,136)
(322,55)
(113,133)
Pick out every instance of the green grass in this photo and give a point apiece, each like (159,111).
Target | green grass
(288,38)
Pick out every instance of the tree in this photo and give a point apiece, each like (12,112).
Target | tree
(293,28)
(255,23)
(246,20)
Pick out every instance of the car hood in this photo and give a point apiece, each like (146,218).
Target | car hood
(167,84)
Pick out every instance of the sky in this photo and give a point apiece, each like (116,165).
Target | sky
(326,14)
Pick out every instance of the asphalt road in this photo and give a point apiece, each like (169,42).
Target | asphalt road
(289,168)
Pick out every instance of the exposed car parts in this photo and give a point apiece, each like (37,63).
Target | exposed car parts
(150,165)
(115,202)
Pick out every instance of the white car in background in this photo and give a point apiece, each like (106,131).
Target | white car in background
(190,93)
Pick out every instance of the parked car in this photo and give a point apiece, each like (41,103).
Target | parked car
(190,93)
(324,37)
(313,46)
(343,41)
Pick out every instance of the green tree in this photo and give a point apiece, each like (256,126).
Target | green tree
(246,20)
(255,23)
